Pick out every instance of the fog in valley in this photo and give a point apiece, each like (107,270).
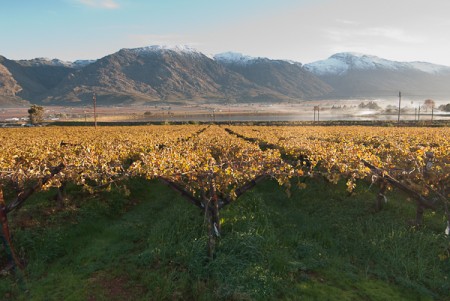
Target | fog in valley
(320,110)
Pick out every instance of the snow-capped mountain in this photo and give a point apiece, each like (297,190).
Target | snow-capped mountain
(180,49)
(180,73)
(358,75)
(234,58)
(341,63)
(40,62)
(231,57)
(286,77)
(158,73)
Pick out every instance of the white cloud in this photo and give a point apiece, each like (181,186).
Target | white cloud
(396,34)
(378,33)
(347,22)
(107,4)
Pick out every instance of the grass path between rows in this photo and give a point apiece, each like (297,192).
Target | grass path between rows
(320,244)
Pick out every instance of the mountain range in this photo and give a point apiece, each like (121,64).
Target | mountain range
(182,74)
(354,75)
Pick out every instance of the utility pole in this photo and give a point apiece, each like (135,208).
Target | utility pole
(399,104)
(316,108)
(94,100)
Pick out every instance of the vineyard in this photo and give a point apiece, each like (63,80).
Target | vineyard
(212,167)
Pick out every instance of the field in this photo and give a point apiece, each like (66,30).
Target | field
(225,212)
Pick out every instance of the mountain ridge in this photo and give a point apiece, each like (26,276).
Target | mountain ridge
(182,73)
(345,61)
(355,75)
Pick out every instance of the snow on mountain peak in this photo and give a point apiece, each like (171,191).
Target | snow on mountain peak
(234,57)
(343,55)
(158,48)
(341,63)
(43,61)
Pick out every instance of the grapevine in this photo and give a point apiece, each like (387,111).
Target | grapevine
(212,166)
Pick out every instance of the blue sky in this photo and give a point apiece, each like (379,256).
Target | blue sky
(305,31)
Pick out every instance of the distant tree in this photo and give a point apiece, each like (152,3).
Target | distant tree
(429,103)
(370,105)
(391,109)
(445,108)
(36,114)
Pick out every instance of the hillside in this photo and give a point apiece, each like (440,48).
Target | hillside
(355,75)
(287,78)
(161,74)
(156,74)
(9,87)
(29,80)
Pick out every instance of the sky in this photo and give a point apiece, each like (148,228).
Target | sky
(299,30)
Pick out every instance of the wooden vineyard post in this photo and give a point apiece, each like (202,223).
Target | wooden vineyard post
(428,164)
(381,196)
(211,246)
(6,232)
(212,212)
(61,195)
(214,206)
(211,238)
(419,215)
(447,214)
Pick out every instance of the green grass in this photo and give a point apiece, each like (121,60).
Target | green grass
(320,244)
